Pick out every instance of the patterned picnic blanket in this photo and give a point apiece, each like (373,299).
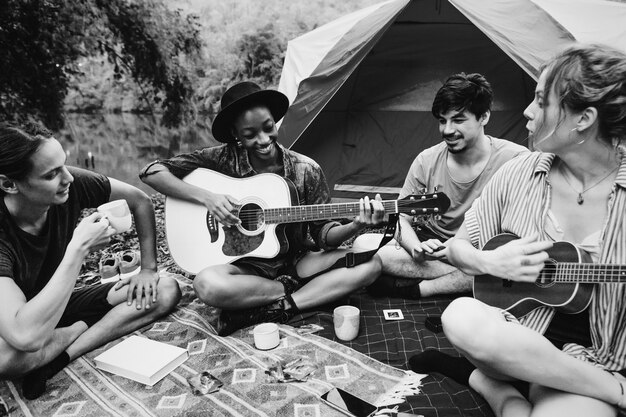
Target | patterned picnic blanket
(83,390)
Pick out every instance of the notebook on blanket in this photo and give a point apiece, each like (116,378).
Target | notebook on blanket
(141,359)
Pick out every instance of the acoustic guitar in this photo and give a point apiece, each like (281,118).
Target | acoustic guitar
(564,283)
(266,203)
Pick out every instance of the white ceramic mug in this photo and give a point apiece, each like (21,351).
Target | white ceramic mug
(118,214)
(346,320)
(266,336)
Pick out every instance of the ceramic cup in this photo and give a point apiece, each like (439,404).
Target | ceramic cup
(266,336)
(346,321)
(118,214)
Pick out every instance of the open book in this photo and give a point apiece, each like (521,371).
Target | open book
(141,359)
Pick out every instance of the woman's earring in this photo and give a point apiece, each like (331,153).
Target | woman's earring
(238,142)
(582,141)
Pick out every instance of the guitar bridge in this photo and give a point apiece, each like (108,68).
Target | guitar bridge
(211,225)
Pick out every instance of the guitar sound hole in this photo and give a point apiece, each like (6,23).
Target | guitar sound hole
(251,216)
(546,276)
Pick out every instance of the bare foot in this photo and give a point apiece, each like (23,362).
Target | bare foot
(503,397)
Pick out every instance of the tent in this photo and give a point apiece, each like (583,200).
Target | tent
(362,86)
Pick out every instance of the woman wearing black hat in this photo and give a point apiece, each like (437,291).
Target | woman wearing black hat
(253,290)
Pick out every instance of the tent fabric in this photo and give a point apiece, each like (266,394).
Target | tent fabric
(591,21)
(324,79)
(307,51)
(522,42)
(362,108)
(533,31)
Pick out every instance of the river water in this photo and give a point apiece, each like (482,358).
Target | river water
(119,145)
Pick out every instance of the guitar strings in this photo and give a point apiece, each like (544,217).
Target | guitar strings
(571,272)
(565,275)
(254,214)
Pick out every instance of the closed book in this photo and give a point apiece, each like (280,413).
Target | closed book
(141,359)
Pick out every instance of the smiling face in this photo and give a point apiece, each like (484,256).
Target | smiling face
(461,129)
(256,129)
(48,182)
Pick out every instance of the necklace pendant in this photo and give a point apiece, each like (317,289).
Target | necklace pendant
(580,199)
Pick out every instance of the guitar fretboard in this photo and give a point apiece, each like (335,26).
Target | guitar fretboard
(319,212)
(590,273)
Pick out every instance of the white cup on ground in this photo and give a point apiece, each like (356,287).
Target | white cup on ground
(118,214)
(266,336)
(346,320)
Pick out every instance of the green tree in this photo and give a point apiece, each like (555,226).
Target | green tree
(261,56)
(42,40)
(226,49)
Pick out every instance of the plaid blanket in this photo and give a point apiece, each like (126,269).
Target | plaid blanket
(394,342)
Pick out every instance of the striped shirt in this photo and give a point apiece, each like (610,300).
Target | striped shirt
(517,200)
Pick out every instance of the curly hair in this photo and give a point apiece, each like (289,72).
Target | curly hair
(471,92)
(585,76)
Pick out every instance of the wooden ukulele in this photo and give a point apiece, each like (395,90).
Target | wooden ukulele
(564,283)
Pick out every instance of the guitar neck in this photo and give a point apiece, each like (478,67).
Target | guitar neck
(572,272)
(298,214)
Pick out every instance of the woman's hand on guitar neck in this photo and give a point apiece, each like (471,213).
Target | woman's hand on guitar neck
(371,212)
(519,260)
(221,206)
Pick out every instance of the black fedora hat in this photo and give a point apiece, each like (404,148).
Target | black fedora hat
(239,97)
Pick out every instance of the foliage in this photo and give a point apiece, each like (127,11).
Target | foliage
(146,56)
(232,29)
(261,56)
(42,41)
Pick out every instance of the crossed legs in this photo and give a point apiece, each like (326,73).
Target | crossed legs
(122,319)
(504,351)
(436,277)
(232,287)
(68,343)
